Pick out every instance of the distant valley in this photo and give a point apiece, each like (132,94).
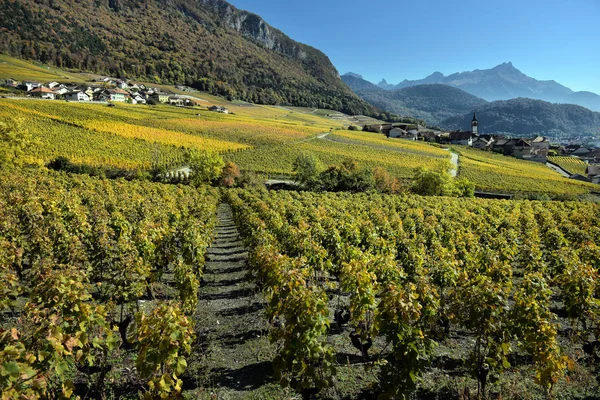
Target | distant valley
(450,107)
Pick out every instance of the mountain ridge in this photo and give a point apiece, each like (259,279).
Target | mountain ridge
(529,117)
(505,82)
(430,102)
(452,108)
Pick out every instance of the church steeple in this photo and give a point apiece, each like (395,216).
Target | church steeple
(474,123)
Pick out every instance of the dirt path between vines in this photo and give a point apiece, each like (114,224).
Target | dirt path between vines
(231,321)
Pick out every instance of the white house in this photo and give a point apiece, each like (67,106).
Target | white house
(42,93)
(402,134)
(52,85)
(60,90)
(137,99)
(462,138)
(29,86)
(77,96)
(483,142)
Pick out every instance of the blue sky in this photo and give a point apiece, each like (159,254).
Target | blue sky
(397,40)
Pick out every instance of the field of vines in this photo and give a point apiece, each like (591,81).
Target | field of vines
(14,68)
(99,282)
(400,160)
(498,173)
(570,164)
(378,140)
(135,136)
(366,295)
(433,297)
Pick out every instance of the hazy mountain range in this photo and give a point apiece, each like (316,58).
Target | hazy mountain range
(452,108)
(208,44)
(505,82)
(432,103)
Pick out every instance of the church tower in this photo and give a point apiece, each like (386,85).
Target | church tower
(474,124)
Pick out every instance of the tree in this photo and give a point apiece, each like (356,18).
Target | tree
(306,167)
(347,177)
(206,167)
(229,175)
(441,183)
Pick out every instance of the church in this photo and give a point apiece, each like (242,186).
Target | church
(466,138)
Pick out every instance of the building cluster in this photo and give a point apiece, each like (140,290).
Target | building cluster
(108,90)
(533,149)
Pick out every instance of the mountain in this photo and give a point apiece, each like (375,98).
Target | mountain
(385,85)
(436,77)
(452,108)
(527,117)
(352,74)
(208,44)
(505,82)
(431,102)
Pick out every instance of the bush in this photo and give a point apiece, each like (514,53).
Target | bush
(441,183)
(353,128)
(465,188)
(386,182)
(307,167)
(60,164)
(251,180)
(347,177)
(230,173)
(432,183)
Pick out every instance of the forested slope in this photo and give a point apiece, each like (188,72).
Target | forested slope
(209,44)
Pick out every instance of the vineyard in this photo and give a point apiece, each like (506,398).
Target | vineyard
(397,157)
(262,139)
(132,137)
(494,172)
(14,68)
(570,164)
(364,295)
(439,296)
(98,277)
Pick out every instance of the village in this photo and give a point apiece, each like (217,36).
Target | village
(536,149)
(108,90)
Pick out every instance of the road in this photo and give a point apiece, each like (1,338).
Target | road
(558,169)
(454,160)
